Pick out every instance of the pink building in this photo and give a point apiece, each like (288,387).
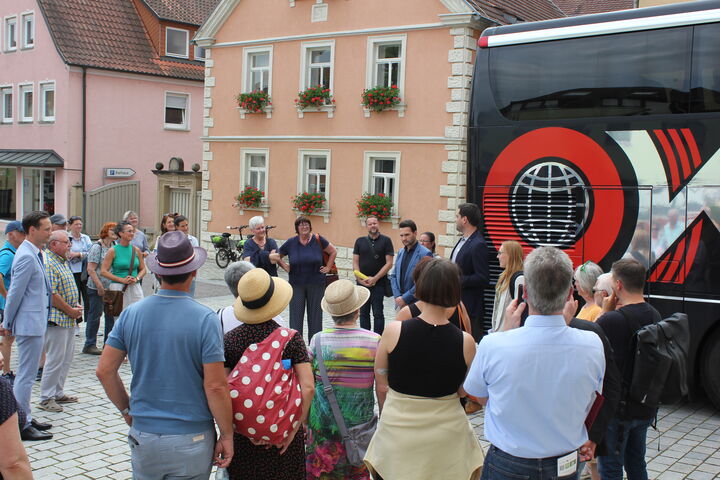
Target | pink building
(93,93)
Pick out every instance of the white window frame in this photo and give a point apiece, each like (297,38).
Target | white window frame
(372,60)
(174,126)
(6,34)
(305,49)
(3,90)
(187,42)
(197,48)
(22,89)
(302,172)
(41,200)
(368,173)
(43,88)
(245,169)
(28,18)
(247,52)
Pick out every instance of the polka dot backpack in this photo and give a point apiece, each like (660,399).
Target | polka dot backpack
(265,391)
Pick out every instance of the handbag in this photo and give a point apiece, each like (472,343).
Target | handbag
(465,323)
(113,299)
(332,275)
(357,438)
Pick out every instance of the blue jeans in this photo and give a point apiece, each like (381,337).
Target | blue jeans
(501,465)
(93,319)
(626,442)
(377,297)
(156,456)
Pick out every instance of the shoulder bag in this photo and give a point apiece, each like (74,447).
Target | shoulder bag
(355,439)
(113,299)
(332,275)
(386,281)
(465,323)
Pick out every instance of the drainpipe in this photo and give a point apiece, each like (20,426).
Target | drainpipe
(84,137)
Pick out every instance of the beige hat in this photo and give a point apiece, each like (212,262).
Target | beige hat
(342,297)
(261,297)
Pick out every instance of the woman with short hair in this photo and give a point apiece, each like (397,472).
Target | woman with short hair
(139,240)
(116,265)
(420,367)
(307,273)
(257,249)
(585,278)
(77,255)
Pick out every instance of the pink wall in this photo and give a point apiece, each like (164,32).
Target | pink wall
(126,129)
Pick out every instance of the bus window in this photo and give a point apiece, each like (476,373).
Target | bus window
(638,73)
(706,74)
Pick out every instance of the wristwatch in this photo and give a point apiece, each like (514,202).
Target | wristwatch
(125,411)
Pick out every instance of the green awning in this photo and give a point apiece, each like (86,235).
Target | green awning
(31,158)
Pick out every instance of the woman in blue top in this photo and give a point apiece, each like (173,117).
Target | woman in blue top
(79,248)
(257,249)
(307,274)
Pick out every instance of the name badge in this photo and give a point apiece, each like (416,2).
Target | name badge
(567,465)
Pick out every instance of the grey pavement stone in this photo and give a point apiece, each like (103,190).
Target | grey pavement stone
(90,436)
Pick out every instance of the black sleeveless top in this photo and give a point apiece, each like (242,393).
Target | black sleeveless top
(428,360)
(454,318)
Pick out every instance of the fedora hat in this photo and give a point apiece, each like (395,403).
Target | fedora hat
(342,297)
(261,297)
(175,255)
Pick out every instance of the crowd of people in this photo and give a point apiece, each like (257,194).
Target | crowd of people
(237,389)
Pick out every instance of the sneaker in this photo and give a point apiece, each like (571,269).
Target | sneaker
(91,350)
(39,374)
(50,405)
(10,377)
(66,399)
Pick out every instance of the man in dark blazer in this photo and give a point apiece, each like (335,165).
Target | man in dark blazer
(470,254)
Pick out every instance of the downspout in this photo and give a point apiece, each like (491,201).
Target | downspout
(84,138)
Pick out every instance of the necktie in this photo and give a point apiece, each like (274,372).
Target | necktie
(40,255)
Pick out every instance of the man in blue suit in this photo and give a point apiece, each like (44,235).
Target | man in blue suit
(401,280)
(26,314)
(470,254)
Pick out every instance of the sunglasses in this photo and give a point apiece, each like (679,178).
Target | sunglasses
(582,267)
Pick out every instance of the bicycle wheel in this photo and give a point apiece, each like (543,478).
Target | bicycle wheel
(222,259)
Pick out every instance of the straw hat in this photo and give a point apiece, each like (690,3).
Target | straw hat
(342,297)
(261,297)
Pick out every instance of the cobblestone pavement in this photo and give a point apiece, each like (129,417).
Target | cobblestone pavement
(90,436)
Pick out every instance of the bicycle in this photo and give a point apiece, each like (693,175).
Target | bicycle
(229,249)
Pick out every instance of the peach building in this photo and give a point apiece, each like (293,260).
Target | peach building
(414,153)
(95,93)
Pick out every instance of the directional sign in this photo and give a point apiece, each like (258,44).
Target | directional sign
(119,172)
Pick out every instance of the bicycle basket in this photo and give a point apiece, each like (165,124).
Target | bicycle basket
(219,241)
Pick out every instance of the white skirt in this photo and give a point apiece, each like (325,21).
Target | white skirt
(133,293)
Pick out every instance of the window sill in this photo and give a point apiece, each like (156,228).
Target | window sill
(399,108)
(10,50)
(29,47)
(262,208)
(267,110)
(323,213)
(330,109)
(176,129)
(46,122)
(25,122)
(393,219)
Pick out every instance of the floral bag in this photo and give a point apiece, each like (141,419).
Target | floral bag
(265,392)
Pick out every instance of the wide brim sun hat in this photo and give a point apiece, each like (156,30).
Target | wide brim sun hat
(175,255)
(261,297)
(343,297)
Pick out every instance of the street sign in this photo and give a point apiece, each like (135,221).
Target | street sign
(119,172)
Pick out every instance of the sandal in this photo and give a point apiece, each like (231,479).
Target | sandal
(66,399)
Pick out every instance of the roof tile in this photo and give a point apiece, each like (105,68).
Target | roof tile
(194,12)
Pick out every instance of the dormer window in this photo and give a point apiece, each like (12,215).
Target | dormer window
(177,42)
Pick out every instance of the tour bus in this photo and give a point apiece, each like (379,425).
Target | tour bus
(600,135)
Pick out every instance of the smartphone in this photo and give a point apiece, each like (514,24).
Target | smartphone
(519,288)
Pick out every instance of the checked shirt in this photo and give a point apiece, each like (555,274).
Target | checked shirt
(62,282)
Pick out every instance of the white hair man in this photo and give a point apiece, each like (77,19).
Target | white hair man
(538,382)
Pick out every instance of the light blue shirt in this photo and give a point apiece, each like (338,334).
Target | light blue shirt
(168,338)
(7,254)
(540,381)
(81,245)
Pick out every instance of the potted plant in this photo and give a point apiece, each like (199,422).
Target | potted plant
(376,204)
(308,203)
(256,101)
(378,99)
(317,96)
(250,197)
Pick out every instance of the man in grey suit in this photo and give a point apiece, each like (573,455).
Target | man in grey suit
(26,314)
